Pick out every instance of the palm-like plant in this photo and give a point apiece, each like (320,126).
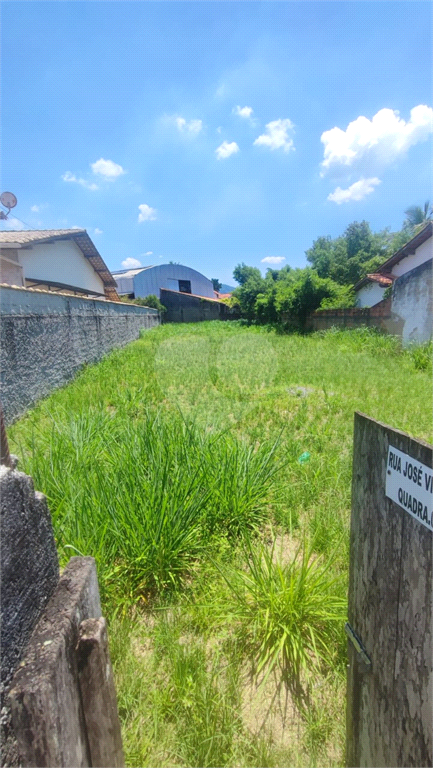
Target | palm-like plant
(415,215)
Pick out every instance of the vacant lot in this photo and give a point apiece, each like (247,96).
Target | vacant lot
(207,468)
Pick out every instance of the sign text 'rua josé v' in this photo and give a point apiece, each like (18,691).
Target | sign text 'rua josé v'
(410,484)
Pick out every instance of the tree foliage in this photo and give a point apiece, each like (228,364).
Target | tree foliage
(415,215)
(335,266)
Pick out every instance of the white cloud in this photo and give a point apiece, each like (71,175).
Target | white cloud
(276,135)
(148,253)
(225,150)
(107,169)
(35,208)
(131,263)
(218,130)
(68,176)
(146,213)
(273,259)
(243,111)
(193,127)
(97,231)
(368,145)
(356,191)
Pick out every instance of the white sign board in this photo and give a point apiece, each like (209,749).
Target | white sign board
(410,484)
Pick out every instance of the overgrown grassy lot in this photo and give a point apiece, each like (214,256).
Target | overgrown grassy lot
(207,468)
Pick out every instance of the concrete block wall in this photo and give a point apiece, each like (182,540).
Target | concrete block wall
(46,338)
(186,308)
(352,317)
(29,575)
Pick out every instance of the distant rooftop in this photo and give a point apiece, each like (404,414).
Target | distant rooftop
(130,272)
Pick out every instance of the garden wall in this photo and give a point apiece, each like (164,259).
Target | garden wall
(353,317)
(186,308)
(46,338)
(406,313)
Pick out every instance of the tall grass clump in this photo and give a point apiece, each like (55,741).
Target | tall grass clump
(144,496)
(422,356)
(289,614)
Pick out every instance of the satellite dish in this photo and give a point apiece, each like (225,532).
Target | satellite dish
(8,199)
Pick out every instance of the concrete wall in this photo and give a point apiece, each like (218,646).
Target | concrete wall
(184,308)
(29,565)
(151,280)
(412,307)
(29,575)
(407,314)
(46,338)
(60,262)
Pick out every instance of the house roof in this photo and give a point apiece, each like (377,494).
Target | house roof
(408,249)
(383,274)
(27,238)
(383,280)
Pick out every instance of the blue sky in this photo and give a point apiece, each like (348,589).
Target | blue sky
(212,133)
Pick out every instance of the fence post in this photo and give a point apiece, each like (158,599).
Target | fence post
(389,701)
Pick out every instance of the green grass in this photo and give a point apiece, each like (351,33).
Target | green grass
(175,463)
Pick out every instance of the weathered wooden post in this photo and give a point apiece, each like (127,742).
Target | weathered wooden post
(389,686)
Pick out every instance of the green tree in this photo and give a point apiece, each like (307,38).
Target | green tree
(242,273)
(216,284)
(415,215)
(251,284)
(320,255)
(304,293)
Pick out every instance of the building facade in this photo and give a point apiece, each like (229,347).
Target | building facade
(146,281)
(58,261)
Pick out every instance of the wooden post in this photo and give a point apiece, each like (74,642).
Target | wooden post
(98,696)
(389,703)
(45,699)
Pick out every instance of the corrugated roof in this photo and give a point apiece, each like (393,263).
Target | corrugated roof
(80,237)
(130,272)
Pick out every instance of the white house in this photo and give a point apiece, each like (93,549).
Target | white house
(146,281)
(57,260)
(370,290)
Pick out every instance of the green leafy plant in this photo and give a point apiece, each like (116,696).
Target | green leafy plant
(289,614)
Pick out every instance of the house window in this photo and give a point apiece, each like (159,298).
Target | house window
(185,286)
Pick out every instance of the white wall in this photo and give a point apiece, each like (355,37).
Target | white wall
(369,295)
(60,262)
(422,254)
